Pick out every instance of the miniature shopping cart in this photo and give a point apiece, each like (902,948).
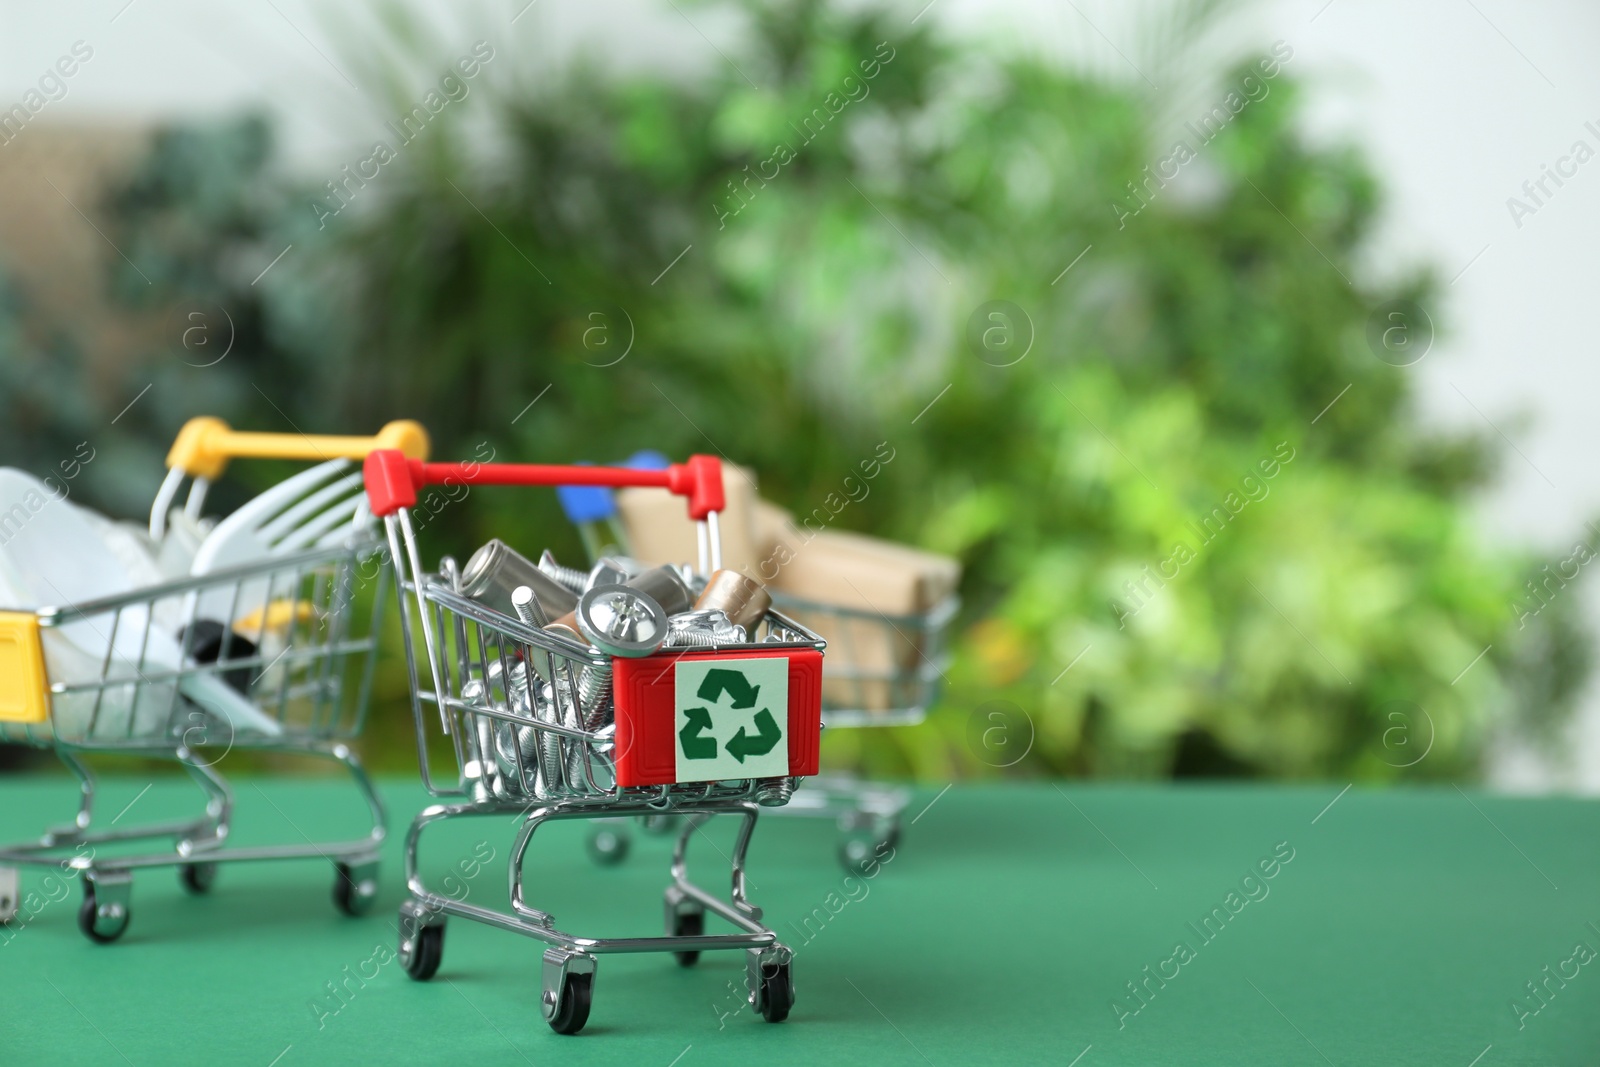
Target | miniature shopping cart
(548,727)
(176,670)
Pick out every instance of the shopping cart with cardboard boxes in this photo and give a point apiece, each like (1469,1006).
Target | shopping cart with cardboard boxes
(884,610)
(616,706)
(193,640)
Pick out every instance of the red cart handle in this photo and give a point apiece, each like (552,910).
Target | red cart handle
(393,480)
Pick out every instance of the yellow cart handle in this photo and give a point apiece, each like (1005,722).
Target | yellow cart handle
(205,445)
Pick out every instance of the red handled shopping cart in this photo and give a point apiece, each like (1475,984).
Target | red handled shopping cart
(577,718)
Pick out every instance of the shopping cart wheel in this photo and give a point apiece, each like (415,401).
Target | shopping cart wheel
(421,940)
(10,893)
(198,878)
(105,912)
(866,845)
(425,954)
(355,887)
(685,918)
(568,989)
(608,845)
(772,979)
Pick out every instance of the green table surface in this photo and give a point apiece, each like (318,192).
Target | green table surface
(1006,926)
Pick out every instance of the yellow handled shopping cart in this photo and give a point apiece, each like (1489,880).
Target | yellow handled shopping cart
(190,640)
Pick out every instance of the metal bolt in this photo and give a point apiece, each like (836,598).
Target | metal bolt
(549,744)
(526,604)
(511,679)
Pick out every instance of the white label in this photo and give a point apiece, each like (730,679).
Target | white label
(732,718)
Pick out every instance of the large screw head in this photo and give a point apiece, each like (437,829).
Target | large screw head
(620,621)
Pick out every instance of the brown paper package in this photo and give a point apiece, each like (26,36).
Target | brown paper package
(866,574)
(660,531)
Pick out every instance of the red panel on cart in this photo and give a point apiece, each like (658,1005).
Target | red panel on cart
(646,691)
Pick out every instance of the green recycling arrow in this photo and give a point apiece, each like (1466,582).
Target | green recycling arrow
(741,744)
(695,746)
(720,680)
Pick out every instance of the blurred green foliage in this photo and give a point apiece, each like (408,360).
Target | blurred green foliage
(794,320)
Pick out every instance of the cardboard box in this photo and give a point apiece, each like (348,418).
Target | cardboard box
(774,527)
(871,661)
(866,573)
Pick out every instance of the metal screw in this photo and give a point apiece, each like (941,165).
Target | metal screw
(550,745)
(620,621)
(703,629)
(571,577)
(774,792)
(691,639)
(613,570)
(594,690)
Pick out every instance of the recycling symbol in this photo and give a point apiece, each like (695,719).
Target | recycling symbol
(698,739)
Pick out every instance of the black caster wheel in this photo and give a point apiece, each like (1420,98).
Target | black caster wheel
(426,952)
(572,1011)
(102,923)
(608,846)
(198,878)
(692,924)
(777,992)
(355,888)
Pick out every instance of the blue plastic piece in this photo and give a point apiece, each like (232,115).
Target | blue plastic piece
(586,503)
(594,503)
